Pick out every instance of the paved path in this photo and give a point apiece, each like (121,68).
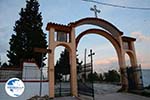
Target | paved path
(120,96)
(113,96)
(116,96)
(66,98)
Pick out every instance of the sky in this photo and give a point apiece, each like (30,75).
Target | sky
(135,23)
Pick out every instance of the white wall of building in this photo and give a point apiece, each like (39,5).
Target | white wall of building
(31,89)
(30,71)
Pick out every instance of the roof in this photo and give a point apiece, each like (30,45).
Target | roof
(58,27)
(126,38)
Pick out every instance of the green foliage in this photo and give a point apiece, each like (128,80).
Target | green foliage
(148,87)
(4,65)
(112,76)
(28,35)
(101,77)
(62,66)
(93,77)
(90,77)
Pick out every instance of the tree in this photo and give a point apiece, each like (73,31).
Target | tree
(112,76)
(58,72)
(100,77)
(4,65)
(63,65)
(28,35)
(93,77)
(0,61)
(79,65)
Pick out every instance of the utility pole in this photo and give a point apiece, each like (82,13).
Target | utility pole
(41,76)
(0,61)
(85,65)
(42,51)
(91,55)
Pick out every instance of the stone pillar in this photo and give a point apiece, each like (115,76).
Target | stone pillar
(73,69)
(134,59)
(51,63)
(137,78)
(124,80)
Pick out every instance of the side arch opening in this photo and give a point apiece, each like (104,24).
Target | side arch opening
(62,70)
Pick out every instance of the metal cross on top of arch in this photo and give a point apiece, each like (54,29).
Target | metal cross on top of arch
(95,10)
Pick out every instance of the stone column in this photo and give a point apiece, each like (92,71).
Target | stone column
(137,78)
(51,63)
(134,59)
(73,69)
(124,80)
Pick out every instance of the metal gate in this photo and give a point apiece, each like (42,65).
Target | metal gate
(131,73)
(62,88)
(85,80)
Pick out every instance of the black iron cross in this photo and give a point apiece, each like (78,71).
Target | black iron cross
(95,10)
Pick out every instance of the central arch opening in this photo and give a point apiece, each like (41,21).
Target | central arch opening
(106,74)
(62,72)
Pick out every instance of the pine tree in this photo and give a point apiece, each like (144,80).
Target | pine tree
(28,35)
(62,66)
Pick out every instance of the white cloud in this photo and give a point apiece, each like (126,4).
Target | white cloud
(140,36)
(143,59)
(106,61)
(103,65)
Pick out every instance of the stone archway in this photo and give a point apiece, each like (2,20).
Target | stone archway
(111,33)
(121,44)
(131,58)
(115,44)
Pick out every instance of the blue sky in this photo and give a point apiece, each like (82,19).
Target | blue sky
(135,23)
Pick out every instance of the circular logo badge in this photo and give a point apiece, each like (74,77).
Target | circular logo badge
(14,87)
